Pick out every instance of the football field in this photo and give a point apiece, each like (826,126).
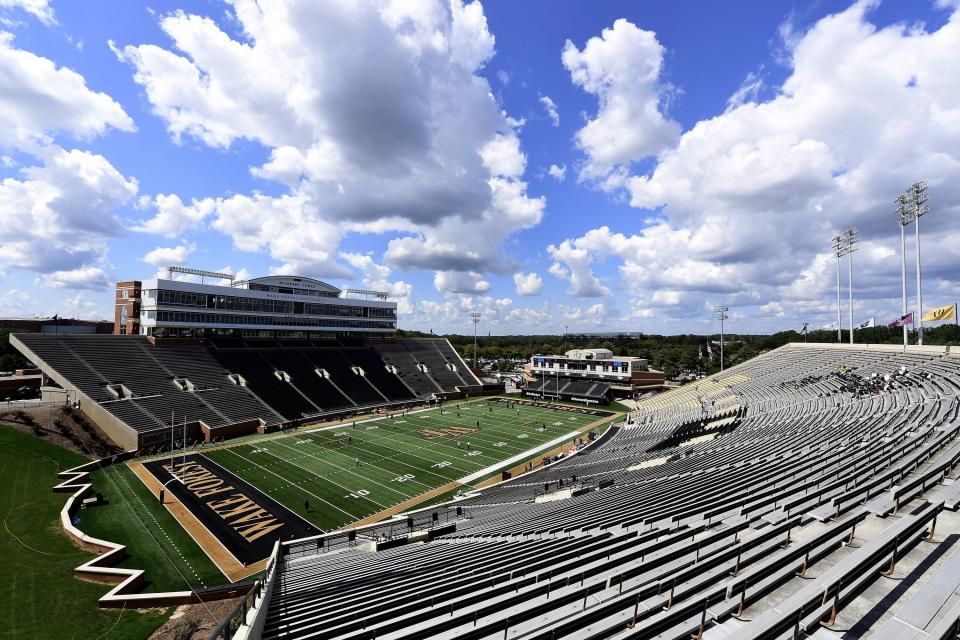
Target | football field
(340,476)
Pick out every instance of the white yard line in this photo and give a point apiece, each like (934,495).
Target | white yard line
(357,448)
(517,458)
(259,466)
(345,469)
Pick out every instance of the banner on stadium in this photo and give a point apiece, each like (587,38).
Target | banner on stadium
(866,324)
(902,320)
(940,313)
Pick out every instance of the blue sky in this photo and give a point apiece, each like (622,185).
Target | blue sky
(600,166)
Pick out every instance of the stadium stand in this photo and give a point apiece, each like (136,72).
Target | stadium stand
(569,389)
(133,389)
(764,502)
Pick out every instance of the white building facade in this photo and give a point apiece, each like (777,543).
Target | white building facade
(272,306)
(627,375)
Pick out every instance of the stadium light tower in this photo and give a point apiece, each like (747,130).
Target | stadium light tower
(905,213)
(839,246)
(852,239)
(721,311)
(475,318)
(918,198)
(844,245)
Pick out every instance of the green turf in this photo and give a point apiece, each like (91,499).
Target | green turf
(39,596)
(396,462)
(155,540)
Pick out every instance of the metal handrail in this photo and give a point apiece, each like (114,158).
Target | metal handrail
(238,616)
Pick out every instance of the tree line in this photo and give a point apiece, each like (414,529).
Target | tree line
(674,355)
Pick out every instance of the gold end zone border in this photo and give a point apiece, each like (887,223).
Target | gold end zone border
(228,564)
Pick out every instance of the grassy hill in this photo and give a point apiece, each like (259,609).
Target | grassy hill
(40,596)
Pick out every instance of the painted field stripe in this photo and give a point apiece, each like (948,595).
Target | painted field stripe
(517,458)
(260,466)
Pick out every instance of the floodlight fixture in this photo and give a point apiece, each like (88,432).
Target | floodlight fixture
(721,313)
(201,273)
(918,196)
(852,244)
(475,318)
(905,214)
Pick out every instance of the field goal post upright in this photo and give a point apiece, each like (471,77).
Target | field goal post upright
(183,452)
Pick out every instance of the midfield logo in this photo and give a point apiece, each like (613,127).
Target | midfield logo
(446,432)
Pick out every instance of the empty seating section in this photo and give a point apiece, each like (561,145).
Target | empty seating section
(376,372)
(144,385)
(437,366)
(568,388)
(838,467)
(304,376)
(343,374)
(260,377)
(408,369)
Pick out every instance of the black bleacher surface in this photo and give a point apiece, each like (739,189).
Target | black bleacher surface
(783,521)
(376,372)
(342,374)
(569,388)
(358,376)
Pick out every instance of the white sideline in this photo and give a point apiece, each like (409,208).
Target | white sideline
(517,458)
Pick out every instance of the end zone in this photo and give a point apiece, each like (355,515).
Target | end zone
(233,522)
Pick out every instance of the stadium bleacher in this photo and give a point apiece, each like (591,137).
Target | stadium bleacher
(835,467)
(231,381)
(569,389)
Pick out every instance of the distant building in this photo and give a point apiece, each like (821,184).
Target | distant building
(56,325)
(126,319)
(267,307)
(620,375)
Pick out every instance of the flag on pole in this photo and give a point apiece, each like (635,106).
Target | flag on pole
(902,320)
(940,313)
(700,352)
(866,324)
(709,351)
(804,330)
(832,325)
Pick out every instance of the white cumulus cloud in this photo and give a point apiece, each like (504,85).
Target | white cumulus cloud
(166,256)
(375,115)
(622,68)
(527,284)
(747,201)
